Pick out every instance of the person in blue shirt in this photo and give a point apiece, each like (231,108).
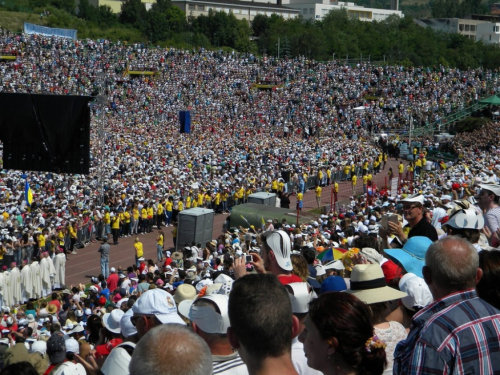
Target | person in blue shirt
(105,291)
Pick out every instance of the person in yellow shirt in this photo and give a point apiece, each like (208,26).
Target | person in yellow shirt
(418,166)
(347,172)
(281,187)
(274,186)
(72,229)
(180,205)
(318,194)
(354,182)
(329,176)
(365,183)
(151,214)
(217,204)
(188,200)
(300,196)
(365,167)
(200,199)
(139,251)
(169,206)
(159,245)
(135,219)
(106,221)
(115,227)
(144,219)
(224,197)
(241,194)
(159,215)
(335,191)
(401,168)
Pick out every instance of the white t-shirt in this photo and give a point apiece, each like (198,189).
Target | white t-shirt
(299,359)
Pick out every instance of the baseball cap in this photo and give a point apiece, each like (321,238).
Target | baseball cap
(300,296)
(419,295)
(333,284)
(279,242)
(416,198)
(113,269)
(76,329)
(39,346)
(56,348)
(159,303)
(494,188)
(72,346)
(205,317)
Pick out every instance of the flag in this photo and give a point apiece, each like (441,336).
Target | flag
(263,222)
(28,194)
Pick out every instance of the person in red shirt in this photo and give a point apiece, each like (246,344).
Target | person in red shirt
(112,280)
(55,301)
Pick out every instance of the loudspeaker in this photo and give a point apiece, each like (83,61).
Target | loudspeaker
(185,122)
(45,132)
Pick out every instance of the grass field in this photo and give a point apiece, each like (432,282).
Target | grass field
(14,21)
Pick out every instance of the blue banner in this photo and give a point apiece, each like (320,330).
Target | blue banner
(31,28)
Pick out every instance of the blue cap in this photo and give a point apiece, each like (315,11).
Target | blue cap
(333,284)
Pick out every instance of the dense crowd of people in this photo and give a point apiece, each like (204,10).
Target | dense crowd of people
(369,289)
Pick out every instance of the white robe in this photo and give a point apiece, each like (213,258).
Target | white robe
(15,282)
(60,267)
(36,280)
(26,283)
(7,290)
(45,274)
(2,280)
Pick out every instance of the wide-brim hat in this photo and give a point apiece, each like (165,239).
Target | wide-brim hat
(369,285)
(176,255)
(51,308)
(412,256)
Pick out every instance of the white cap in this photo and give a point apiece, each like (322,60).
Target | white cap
(39,346)
(418,292)
(112,320)
(417,198)
(494,188)
(300,296)
(466,219)
(205,317)
(72,346)
(279,242)
(113,269)
(159,303)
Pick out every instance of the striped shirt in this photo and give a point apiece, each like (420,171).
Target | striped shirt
(459,334)
(229,365)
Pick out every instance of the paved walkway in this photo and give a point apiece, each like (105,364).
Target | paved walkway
(80,267)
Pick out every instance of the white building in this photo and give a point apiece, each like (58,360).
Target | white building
(474,29)
(241,9)
(317,9)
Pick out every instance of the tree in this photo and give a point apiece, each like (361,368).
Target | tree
(133,13)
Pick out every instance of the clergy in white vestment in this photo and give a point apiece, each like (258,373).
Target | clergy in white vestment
(52,270)
(45,274)
(26,282)
(36,280)
(2,280)
(15,279)
(60,267)
(7,290)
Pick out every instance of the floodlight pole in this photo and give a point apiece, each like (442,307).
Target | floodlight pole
(101,105)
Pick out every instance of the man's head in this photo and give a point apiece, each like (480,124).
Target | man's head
(209,318)
(171,349)
(413,209)
(276,252)
(488,196)
(451,265)
(260,312)
(153,308)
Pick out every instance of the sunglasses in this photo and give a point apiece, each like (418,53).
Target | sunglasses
(133,319)
(409,208)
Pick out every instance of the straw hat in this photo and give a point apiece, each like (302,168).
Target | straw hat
(369,285)
(51,308)
(177,255)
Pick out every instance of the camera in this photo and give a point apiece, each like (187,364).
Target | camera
(248,259)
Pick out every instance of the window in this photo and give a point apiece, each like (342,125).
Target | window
(236,11)
(497,29)
(311,10)
(200,7)
(253,13)
(461,27)
(472,27)
(192,7)
(304,11)
(466,27)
